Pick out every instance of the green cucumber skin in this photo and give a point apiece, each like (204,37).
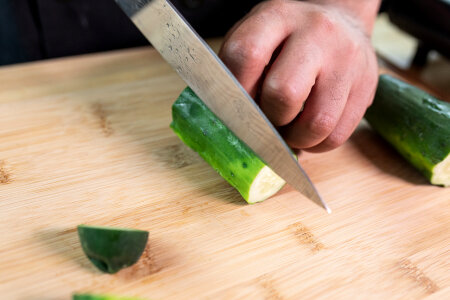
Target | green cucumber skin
(199,128)
(112,249)
(414,122)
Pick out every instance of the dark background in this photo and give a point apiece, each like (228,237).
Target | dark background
(40,29)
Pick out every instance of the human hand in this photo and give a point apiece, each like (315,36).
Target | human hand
(310,66)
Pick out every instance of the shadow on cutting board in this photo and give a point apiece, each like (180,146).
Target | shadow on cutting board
(178,156)
(384,156)
(65,243)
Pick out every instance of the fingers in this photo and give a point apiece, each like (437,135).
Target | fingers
(359,99)
(289,81)
(249,47)
(321,113)
(309,67)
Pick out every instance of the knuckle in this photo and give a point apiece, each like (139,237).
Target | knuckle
(336,139)
(321,125)
(355,118)
(283,93)
(352,47)
(324,20)
(276,6)
(242,52)
(271,11)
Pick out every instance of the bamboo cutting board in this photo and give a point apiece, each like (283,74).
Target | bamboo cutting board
(87,140)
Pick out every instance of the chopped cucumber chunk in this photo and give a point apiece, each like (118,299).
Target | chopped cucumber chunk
(112,249)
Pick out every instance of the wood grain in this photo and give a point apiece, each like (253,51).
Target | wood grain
(87,140)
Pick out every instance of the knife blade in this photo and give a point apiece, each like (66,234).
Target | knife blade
(196,63)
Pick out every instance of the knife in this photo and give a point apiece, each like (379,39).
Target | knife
(209,78)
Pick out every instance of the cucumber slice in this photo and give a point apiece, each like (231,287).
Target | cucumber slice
(100,297)
(199,128)
(416,124)
(112,249)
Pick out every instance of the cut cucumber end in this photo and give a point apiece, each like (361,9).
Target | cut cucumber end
(266,184)
(441,173)
(111,249)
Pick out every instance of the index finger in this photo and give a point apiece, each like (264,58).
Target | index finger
(249,48)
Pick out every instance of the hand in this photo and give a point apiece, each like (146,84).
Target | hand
(310,65)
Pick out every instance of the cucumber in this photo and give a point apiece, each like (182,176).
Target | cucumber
(112,249)
(199,128)
(416,124)
(100,297)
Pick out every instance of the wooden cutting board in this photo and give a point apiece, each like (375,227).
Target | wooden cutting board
(87,140)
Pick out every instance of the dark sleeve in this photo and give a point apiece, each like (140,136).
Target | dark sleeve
(19,39)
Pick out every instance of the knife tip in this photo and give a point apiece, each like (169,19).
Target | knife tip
(315,196)
(325,205)
(322,203)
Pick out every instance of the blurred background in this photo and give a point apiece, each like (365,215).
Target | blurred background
(411,36)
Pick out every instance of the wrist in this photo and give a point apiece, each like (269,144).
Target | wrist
(362,12)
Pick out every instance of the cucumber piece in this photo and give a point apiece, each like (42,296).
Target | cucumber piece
(100,297)
(199,128)
(112,249)
(416,124)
